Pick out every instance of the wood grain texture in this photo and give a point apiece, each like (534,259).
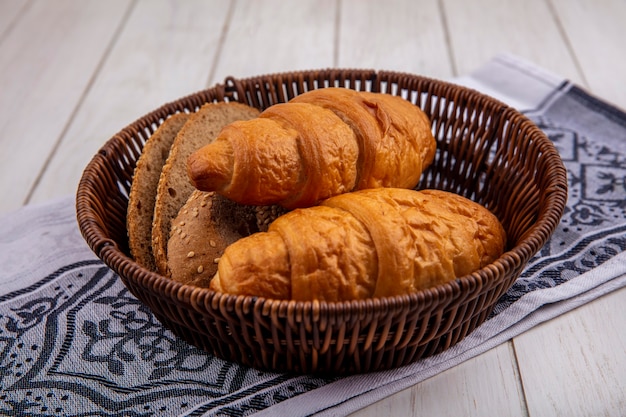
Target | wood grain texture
(487,385)
(275,36)
(46,63)
(596,31)
(164,52)
(484,28)
(394,35)
(575,365)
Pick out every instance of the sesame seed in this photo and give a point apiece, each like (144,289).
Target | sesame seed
(183,235)
(191,254)
(200,269)
(181,223)
(216,260)
(212,243)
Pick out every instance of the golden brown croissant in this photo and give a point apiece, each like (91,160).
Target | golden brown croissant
(369,243)
(319,144)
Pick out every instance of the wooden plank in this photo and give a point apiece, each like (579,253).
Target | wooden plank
(164,52)
(575,365)
(9,13)
(482,29)
(46,62)
(396,35)
(485,385)
(275,36)
(596,32)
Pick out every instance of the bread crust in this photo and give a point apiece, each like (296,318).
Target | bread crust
(369,243)
(174,187)
(298,153)
(143,189)
(205,225)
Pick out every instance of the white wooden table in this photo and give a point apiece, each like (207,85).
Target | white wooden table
(73,72)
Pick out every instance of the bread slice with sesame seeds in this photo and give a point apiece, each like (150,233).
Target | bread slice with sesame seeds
(205,225)
(174,187)
(143,189)
(192,256)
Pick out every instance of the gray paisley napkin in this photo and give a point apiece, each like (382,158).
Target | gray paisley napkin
(75,342)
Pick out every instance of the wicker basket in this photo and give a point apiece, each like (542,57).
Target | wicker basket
(486,151)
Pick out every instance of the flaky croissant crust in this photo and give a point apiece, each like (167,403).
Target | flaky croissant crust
(322,143)
(369,243)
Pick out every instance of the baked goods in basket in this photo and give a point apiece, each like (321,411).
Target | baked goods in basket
(346,163)
(368,243)
(160,184)
(204,227)
(321,143)
(174,186)
(143,189)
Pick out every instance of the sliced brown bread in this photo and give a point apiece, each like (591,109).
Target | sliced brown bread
(204,227)
(143,189)
(174,186)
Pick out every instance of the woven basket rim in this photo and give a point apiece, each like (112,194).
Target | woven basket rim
(460,288)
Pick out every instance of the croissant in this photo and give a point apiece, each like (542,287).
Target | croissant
(368,243)
(321,143)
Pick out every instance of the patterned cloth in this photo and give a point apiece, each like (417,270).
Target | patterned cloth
(75,342)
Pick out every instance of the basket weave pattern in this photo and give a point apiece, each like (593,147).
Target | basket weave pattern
(486,151)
